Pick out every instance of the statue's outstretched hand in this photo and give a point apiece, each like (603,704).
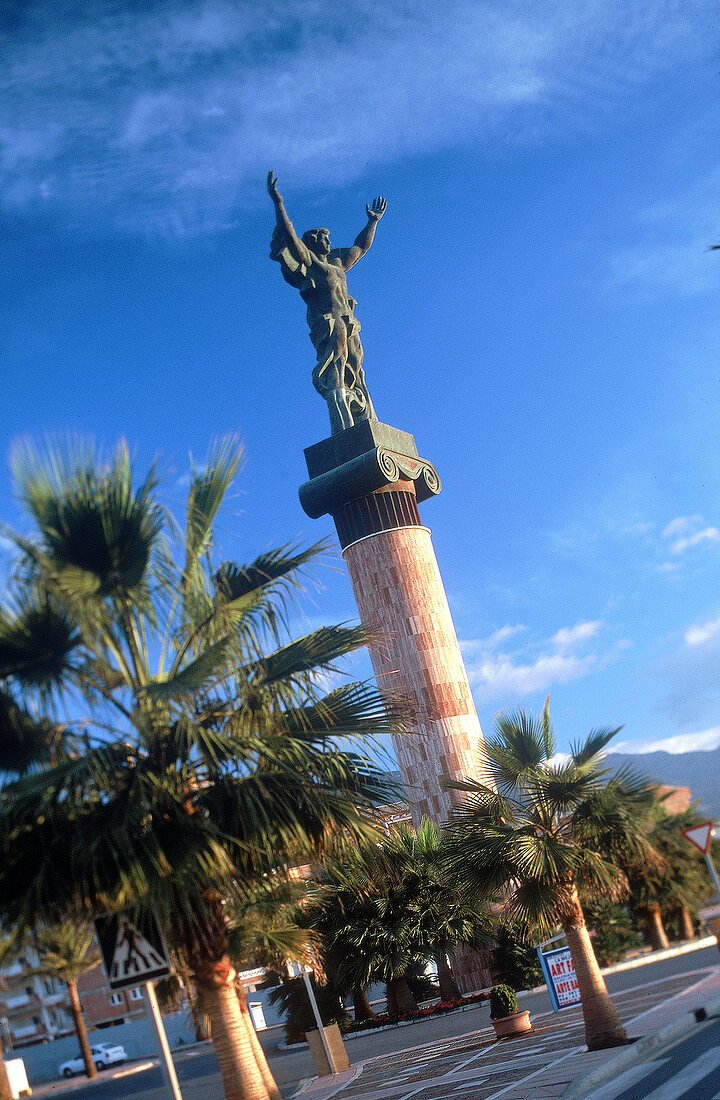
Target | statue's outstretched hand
(272,187)
(378,208)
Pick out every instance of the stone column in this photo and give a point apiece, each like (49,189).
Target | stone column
(370,479)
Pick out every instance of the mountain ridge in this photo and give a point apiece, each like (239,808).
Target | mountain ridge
(699,770)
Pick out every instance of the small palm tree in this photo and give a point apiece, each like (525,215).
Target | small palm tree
(67,951)
(368,931)
(385,911)
(214,753)
(447,916)
(675,883)
(527,836)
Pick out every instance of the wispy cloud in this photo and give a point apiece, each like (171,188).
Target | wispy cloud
(500,673)
(570,636)
(161,116)
(692,689)
(699,635)
(682,742)
(687,532)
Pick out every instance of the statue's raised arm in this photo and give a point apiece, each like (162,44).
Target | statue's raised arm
(367,235)
(310,265)
(286,245)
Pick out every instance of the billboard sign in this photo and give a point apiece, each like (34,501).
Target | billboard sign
(559,970)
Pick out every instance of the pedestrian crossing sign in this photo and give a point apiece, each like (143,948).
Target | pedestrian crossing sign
(132,953)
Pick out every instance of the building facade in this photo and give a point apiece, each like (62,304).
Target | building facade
(35,1008)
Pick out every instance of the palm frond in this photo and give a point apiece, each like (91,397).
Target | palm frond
(25,741)
(37,643)
(589,751)
(97,532)
(193,678)
(311,653)
(518,749)
(208,489)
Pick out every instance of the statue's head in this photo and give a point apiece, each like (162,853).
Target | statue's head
(318,240)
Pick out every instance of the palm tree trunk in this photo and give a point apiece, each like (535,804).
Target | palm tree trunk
(265,1071)
(199,1027)
(687,928)
(80,1029)
(658,935)
(449,989)
(400,1001)
(362,1009)
(242,1079)
(602,1023)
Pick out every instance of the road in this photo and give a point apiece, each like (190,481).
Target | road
(687,1070)
(198,1071)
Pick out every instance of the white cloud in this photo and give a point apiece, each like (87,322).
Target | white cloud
(690,678)
(501,677)
(164,116)
(482,645)
(686,532)
(498,673)
(683,742)
(708,534)
(681,525)
(698,635)
(570,635)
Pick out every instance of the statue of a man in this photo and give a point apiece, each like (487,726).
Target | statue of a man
(318,272)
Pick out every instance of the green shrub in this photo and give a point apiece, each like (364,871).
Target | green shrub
(513,961)
(503,1002)
(612,931)
(294,1003)
(422,987)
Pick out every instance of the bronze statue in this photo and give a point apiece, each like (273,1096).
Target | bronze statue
(318,272)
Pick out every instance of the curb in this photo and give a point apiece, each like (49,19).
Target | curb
(632,1055)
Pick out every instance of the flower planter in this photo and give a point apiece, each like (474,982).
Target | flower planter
(512,1025)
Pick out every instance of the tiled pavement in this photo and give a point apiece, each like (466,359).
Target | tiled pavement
(540,1065)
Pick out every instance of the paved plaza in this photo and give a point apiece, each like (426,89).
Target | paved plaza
(548,1062)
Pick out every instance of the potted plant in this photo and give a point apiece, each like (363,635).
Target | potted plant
(504,1012)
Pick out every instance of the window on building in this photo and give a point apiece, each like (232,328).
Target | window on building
(116,999)
(136,994)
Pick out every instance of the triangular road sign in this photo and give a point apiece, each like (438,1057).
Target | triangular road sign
(131,955)
(700,835)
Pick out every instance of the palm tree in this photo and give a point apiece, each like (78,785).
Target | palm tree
(525,836)
(216,752)
(384,911)
(448,918)
(367,931)
(36,646)
(676,883)
(66,951)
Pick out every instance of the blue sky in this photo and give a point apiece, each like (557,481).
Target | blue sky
(539,308)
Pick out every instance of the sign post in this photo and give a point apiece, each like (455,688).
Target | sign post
(135,954)
(316,1011)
